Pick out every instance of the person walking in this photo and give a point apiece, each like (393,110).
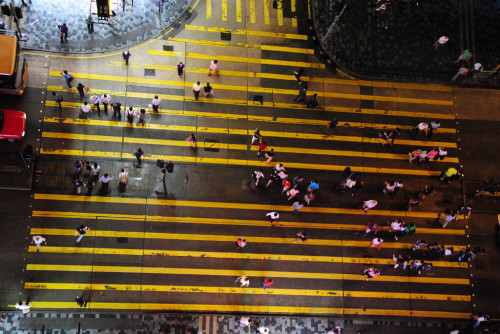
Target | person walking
(370,273)
(269,156)
(245,322)
(262,329)
(105,99)
(196,90)
(81,301)
(422,126)
(123,176)
(90,187)
(130,114)
(126,55)
(209,92)
(256,175)
(24,306)
(267,283)
(273,217)
(450,173)
(117,110)
(286,185)
(77,183)
(371,227)
(142,117)
(139,154)
(256,136)
(213,67)
(296,207)
(38,240)
(68,77)
(262,147)
(243,280)
(309,197)
(465,56)
(155,103)
(435,125)
(180,69)
(377,242)
(446,217)
(462,73)
(81,90)
(370,204)
(63,29)
(240,243)
(302,94)
(297,74)
(301,236)
(95,170)
(90,24)
(81,231)
(441,41)
(96,101)
(313,101)
(57,98)
(105,180)
(292,193)
(330,127)
(313,186)
(191,140)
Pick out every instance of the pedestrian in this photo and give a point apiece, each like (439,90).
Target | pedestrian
(335,330)
(465,56)
(302,94)
(213,67)
(96,101)
(191,140)
(209,92)
(313,101)
(138,155)
(196,90)
(450,174)
(432,154)
(243,280)
(68,77)
(256,176)
(77,183)
(273,217)
(478,319)
(269,156)
(126,55)
(414,202)
(38,240)
(292,193)
(267,283)
(398,260)
(441,41)
(286,185)
(478,68)
(309,197)
(78,168)
(377,242)
(427,191)
(392,187)
(419,244)
(462,73)
(105,99)
(371,227)
(63,29)
(262,147)
(24,306)
(105,180)
(117,110)
(180,69)
(370,273)
(85,110)
(435,125)
(130,114)
(155,103)
(415,265)
(297,180)
(330,127)
(81,301)
(446,217)
(386,135)
(273,177)
(301,236)
(464,210)
(245,321)
(370,204)
(313,186)
(90,186)
(296,207)
(422,126)
(81,90)
(263,330)
(81,231)
(240,243)
(256,136)
(298,74)
(57,98)
(90,24)
(441,153)
(123,176)
(95,169)
(413,155)
(142,117)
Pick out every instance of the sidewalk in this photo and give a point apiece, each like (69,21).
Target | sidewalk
(90,323)
(137,23)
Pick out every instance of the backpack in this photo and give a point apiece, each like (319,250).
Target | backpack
(69,77)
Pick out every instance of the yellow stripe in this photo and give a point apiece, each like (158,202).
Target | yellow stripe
(239,290)
(238,10)
(221,221)
(280,13)
(249,273)
(266,11)
(248,32)
(294,16)
(286,49)
(228,238)
(252,11)
(224,10)
(256,61)
(230,205)
(226,146)
(209,9)
(249,309)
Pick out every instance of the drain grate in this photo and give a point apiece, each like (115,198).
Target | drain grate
(225,35)
(168,48)
(212,145)
(149,72)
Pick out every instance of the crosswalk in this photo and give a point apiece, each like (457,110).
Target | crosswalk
(149,253)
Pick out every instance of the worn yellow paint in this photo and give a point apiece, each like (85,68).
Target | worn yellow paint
(280,12)
(236,273)
(294,15)
(285,49)
(224,10)
(238,10)
(252,11)
(265,4)
(249,32)
(240,290)
(209,9)
(218,221)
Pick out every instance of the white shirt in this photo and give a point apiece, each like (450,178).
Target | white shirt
(156,102)
(377,241)
(123,176)
(130,112)
(106,99)
(104,179)
(94,99)
(350,183)
(422,126)
(279,168)
(244,320)
(95,170)
(478,67)
(197,87)
(263,330)
(213,66)
(371,203)
(38,239)
(395,225)
(442,152)
(23,306)
(258,174)
(85,108)
(435,125)
(443,39)
(273,215)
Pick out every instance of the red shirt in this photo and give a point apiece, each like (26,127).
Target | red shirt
(287,183)
(268,283)
(262,146)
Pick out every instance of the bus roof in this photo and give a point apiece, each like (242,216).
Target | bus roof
(8,48)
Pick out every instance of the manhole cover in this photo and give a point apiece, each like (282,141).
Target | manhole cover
(225,35)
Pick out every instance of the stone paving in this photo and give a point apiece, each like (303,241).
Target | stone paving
(137,23)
